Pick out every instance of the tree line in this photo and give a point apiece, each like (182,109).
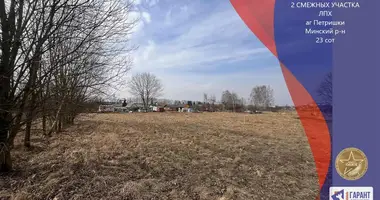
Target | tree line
(260,98)
(146,87)
(55,56)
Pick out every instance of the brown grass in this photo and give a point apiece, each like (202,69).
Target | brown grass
(183,156)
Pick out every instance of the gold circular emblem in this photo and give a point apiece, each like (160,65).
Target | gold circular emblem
(351,163)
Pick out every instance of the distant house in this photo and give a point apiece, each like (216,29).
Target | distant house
(120,109)
(123,106)
(106,108)
(157,108)
(175,107)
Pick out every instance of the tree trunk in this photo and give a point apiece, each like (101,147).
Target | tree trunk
(5,115)
(54,124)
(5,158)
(27,134)
(59,127)
(5,122)
(16,126)
(44,122)
(31,90)
(29,120)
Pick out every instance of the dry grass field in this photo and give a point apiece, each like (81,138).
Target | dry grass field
(205,156)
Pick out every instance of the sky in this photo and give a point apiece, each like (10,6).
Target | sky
(197,46)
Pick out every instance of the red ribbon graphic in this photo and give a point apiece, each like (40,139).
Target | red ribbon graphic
(258,15)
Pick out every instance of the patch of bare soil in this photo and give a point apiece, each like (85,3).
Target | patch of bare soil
(205,156)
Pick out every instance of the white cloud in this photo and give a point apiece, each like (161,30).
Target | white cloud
(152,2)
(146,17)
(184,8)
(191,47)
(148,50)
(145,3)
(168,18)
(153,57)
(140,18)
(133,17)
(137,2)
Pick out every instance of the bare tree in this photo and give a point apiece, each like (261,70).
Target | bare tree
(243,103)
(325,90)
(54,55)
(211,101)
(145,86)
(226,99)
(205,98)
(208,102)
(262,96)
(234,101)
(230,100)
